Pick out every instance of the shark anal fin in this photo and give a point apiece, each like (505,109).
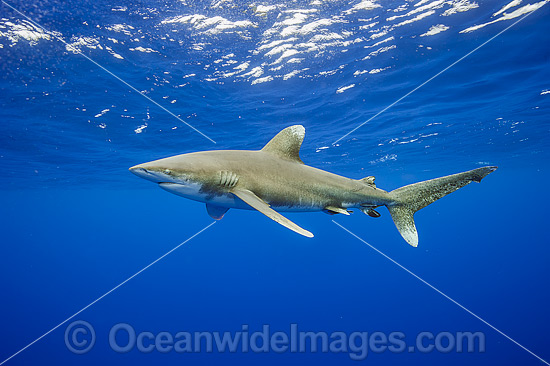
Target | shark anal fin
(257,203)
(370,211)
(216,212)
(336,210)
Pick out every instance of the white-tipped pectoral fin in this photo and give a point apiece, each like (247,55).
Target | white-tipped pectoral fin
(257,203)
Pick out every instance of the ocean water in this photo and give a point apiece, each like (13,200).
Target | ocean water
(104,86)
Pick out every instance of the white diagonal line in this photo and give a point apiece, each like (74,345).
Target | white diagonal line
(107,71)
(433,77)
(443,294)
(105,294)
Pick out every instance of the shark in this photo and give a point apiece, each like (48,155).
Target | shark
(274,179)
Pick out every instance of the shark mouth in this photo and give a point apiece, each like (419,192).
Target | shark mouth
(148,174)
(190,190)
(172,185)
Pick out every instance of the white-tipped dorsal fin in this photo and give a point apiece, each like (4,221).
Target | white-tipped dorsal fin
(286,144)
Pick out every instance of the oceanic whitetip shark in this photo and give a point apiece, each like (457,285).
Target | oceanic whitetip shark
(274,179)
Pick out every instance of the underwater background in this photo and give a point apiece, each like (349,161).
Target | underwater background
(76,223)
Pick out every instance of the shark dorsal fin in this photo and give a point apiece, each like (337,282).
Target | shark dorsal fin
(286,144)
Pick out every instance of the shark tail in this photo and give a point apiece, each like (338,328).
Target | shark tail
(409,199)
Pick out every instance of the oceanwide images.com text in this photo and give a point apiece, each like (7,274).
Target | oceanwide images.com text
(80,338)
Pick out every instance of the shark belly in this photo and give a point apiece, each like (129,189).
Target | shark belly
(194,191)
(297,208)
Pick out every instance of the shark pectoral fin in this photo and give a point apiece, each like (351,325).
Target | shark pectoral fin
(334,210)
(216,212)
(257,203)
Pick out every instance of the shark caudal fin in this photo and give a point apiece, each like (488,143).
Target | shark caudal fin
(409,199)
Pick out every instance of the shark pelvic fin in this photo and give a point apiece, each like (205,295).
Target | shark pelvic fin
(216,212)
(331,210)
(286,144)
(257,203)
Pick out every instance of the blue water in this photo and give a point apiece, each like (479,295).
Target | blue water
(76,223)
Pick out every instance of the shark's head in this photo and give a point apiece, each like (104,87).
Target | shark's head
(193,175)
(176,169)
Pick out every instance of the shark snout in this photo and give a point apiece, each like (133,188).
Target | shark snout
(145,173)
(155,173)
(136,169)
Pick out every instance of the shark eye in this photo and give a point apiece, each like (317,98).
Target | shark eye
(167,171)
